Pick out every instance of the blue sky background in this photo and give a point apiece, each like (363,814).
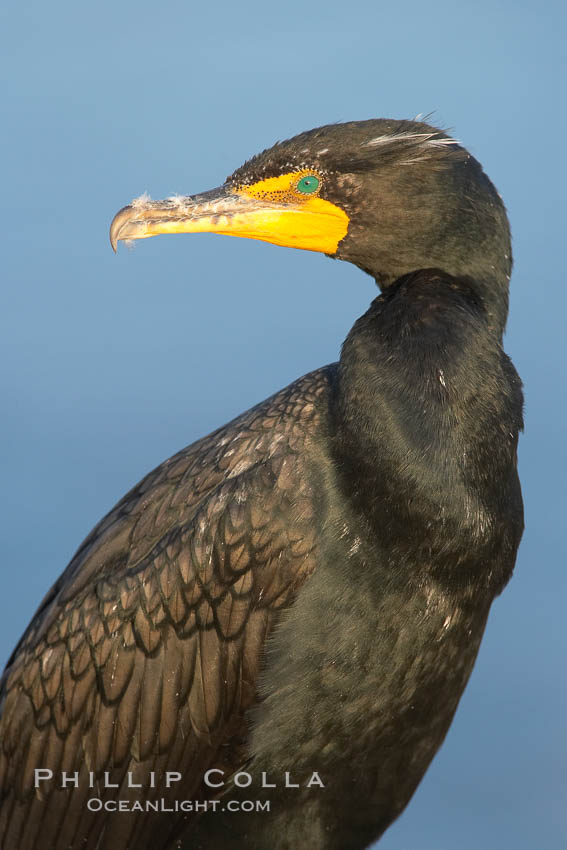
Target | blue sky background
(110,364)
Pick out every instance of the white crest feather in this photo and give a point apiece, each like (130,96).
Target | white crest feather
(422,139)
(439,143)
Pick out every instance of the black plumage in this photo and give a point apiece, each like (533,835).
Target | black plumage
(306,588)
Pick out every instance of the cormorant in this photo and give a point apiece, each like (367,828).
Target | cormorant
(295,601)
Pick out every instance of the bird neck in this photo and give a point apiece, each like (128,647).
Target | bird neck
(489,286)
(452,218)
(427,410)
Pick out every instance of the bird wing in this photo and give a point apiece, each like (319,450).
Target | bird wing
(144,655)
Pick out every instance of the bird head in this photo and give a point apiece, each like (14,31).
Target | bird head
(389,196)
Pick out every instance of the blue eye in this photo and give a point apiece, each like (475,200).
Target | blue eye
(308,184)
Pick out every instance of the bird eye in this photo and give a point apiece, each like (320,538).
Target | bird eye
(308,184)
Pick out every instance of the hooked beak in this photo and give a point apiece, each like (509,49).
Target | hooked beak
(313,224)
